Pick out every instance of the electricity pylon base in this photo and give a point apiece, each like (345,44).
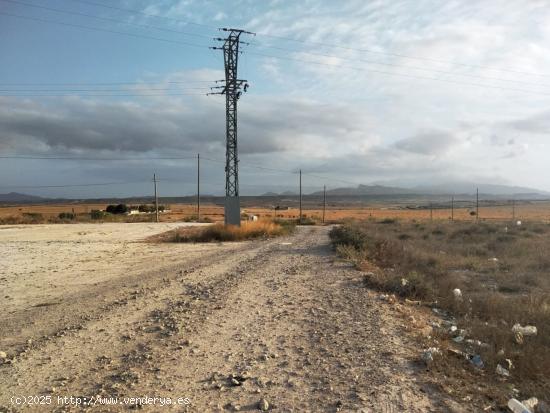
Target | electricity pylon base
(232,210)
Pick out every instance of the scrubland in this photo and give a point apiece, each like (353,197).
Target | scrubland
(219,232)
(503,273)
(265,209)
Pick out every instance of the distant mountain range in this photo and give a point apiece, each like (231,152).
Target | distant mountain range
(367,190)
(468,188)
(454,188)
(15,197)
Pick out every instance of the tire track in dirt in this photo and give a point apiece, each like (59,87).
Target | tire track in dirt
(302,333)
(124,326)
(278,320)
(59,317)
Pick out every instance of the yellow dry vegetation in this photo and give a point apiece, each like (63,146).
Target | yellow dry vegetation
(220,232)
(532,211)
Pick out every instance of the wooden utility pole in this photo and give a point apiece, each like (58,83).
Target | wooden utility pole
(324,201)
(431,212)
(156,198)
(513,209)
(300,219)
(477,203)
(452,208)
(198,187)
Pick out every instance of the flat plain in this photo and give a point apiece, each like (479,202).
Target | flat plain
(526,210)
(93,309)
(99,309)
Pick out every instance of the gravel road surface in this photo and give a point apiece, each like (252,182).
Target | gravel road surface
(280,324)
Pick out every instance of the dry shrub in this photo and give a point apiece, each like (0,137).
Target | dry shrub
(501,269)
(33,218)
(308,220)
(531,358)
(351,253)
(350,235)
(24,218)
(414,286)
(220,233)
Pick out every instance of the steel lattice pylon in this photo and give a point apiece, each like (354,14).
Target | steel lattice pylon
(232,91)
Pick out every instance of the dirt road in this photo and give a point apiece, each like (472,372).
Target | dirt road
(221,328)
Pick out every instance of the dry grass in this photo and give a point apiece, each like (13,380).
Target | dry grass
(50,212)
(222,233)
(24,218)
(335,213)
(38,218)
(501,269)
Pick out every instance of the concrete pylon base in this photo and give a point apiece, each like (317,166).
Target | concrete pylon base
(232,210)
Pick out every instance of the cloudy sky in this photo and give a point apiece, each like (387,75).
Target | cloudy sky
(353,92)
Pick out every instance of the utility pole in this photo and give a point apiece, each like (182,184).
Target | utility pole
(477,204)
(232,91)
(431,212)
(156,198)
(198,187)
(513,209)
(452,208)
(300,219)
(324,201)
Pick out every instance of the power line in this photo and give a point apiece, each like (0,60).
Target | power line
(444,72)
(101,90)
(103,95)
(396,74)
(287,171)
(88,185)
(245,185)
(167,180)
(246,165)
(276,57)
(74,158)
(329,179)
(271,47)
(275,186)
(449,62)
(93,3)
(140,92)
(80,26)
(275,47)
(324,44)
(104,83)
(72,185)
(146,26)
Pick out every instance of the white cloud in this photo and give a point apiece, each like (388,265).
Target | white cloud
(220,16)
(429,142)
(376,123)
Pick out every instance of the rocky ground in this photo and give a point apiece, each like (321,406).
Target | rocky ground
(279,325)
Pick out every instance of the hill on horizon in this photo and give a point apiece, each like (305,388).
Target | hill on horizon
(463,188)
(455,188)
(17,197)
(366,190)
